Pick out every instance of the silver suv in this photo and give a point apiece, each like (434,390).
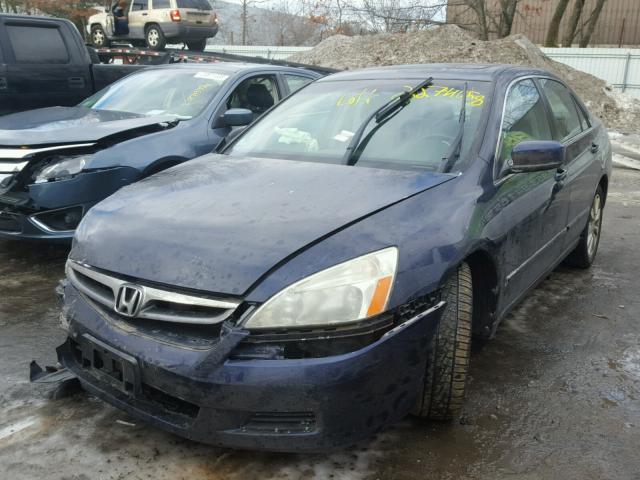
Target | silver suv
(154,23)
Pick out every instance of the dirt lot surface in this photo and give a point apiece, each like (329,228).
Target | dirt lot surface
(555,395)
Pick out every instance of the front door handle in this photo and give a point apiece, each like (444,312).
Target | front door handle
(4,85)
(595,147)
(144,14)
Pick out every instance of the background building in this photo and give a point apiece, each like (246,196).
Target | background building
(618,24)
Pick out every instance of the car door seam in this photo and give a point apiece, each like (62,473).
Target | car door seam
(535,254)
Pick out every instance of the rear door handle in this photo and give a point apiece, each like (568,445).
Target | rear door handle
(595,147)
(144,14)
(4,85)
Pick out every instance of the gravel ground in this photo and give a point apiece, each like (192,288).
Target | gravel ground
(554,395)
(451,44)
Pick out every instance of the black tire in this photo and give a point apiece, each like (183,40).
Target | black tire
(197,45)
(446,375)
(98,37)
(585,252)
(154,37)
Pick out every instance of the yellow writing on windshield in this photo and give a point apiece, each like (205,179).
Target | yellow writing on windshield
(199,90)
(366,96)
(363,97)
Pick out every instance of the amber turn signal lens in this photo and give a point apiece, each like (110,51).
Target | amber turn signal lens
(380,296)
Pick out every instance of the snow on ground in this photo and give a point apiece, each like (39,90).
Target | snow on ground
(626,150)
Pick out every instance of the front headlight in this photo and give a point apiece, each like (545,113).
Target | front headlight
(62,169)
(346,293)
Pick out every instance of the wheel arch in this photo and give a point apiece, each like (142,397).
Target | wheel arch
(604,184)
(484,276)
(152,24)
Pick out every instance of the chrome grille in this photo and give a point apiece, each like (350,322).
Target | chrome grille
(153,303)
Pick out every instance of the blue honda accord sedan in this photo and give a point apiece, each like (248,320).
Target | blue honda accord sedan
(56,163)
(324,276)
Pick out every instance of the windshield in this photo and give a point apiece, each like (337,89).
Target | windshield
(318,122)
(182,93)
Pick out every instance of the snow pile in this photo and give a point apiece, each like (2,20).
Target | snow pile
(451,44)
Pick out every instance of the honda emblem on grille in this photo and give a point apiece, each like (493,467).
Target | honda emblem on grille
(129,300)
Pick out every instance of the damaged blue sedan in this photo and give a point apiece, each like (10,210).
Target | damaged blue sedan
(324,276)
(56,163)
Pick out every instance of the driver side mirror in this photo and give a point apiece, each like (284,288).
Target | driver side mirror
(237,117)
(536,156)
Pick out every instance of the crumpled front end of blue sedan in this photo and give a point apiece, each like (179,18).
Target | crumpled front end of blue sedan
(222,385)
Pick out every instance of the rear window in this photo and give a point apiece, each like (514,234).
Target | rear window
(198,4)
(161,4)
(37,44)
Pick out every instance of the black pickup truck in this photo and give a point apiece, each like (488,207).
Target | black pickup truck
(44,62)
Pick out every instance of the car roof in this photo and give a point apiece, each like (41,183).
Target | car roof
(230,67)
(463,71)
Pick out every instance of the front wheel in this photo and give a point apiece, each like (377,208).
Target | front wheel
(450,349)
(155,38)
(98,37)
(197,45)
(585,252)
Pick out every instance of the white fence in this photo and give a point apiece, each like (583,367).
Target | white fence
(618,66)
(271,52)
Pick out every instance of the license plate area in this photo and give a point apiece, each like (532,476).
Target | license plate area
(108,364)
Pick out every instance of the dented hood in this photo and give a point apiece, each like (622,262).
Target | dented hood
(62,125)
(220,223)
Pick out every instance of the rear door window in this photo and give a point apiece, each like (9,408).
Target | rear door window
(139,5)
(524,119)
(31,44)
(563,109)
(296,82)
(197,4)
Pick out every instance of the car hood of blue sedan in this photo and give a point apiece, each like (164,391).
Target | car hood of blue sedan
(66,125)
(219,223)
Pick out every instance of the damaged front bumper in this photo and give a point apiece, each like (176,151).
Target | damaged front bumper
(51,211)
(208,394)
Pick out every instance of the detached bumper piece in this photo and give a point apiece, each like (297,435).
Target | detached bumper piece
(208,394)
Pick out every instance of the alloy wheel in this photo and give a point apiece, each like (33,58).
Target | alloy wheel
(593,229)
(98,37)
(153,37)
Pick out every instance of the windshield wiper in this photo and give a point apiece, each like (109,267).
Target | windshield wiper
(381,114)
(454,151)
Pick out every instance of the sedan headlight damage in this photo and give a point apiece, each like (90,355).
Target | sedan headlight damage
(61,168)
(346,293)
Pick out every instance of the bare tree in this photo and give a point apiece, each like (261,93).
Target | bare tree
(591,23)
(290,26)
(493,17)
(245,5)
(572,27)
(554,26)
(394,16)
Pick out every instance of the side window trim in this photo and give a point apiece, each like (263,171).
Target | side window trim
(573,138)
(582,112)
(498,176)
